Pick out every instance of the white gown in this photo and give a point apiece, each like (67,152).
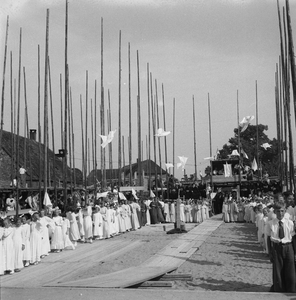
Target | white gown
(26,235)
(8,249)
(18,241)
(57,241)
(35,241)
(98,224)
(87,222)
(1,251)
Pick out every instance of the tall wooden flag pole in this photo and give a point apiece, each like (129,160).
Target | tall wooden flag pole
(45,133)
(86,123)
(65,177)
(52,134)
(3,84)
(157,124)
(149,128)
(18,126)
(174,135)
(119,116)
(129,116)
(140,180)
(210,124)
(165,140)
(194,139)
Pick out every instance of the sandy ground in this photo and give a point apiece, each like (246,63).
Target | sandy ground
(230,260)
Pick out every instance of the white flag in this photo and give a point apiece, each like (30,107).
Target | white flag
(182,162)
(161,132)
(46,200)
(227,170)
(245,122)
(254,165)
(169,165)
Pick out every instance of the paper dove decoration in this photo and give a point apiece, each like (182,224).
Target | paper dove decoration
(244,154)
(182,162)
(107,138)
(152,195)
(169,165)
(234,153)
(121,196)
(46,200)
(245,122)
(254,165)
(161,132)
(266,146)
(210,158)
(135,194)
(102,195)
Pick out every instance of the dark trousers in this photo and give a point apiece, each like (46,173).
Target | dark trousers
(283,268)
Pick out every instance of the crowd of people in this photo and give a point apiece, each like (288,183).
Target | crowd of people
(275,219)
(27,239)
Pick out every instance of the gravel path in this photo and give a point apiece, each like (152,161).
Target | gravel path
(229,260)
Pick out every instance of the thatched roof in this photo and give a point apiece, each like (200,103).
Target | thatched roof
(113,174)
(31,162)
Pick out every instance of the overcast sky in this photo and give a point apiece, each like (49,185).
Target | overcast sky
(193,48)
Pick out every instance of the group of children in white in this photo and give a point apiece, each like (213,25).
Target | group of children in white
(25,240)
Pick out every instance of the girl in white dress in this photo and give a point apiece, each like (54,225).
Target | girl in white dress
(167,211)
(97,222)
(45,246)
(80,223)
(68,245)
(35,239)
(26,235)
(1,248)
(106,230)
(74,234)
(147,203)
(8,248)
(19,245)
(182,212)
(172,212)
(57,241)
(121,216)
(87,224)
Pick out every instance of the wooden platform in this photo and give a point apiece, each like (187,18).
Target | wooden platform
(166,260)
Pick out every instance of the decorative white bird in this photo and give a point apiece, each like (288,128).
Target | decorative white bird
(210,158)
(121,196)
(244,154)
(245,122)
(266,146)
(234,153)
(161,132)
(169,165)
(102,195)
(135,194)
(106,139)
(182,162)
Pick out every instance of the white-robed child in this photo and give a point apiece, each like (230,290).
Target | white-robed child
(57,240)
(26,235)
(19,245)
(45,221)
(87,224)
(8,247)
(80,223)
(68,245)
(35,239)
(74,234)
(1,248)
(97,224)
